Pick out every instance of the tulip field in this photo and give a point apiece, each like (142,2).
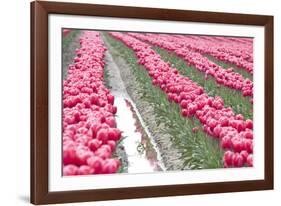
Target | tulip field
(148,102)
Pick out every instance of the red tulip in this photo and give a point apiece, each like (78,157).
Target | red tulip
(102,135)
(84,170)
(226,142)
(244,154)
(110,121)
(228,158)
(70,170)
(94,144)
(249,145)
(114,134)
(112,144)
(110,166)
(103,153)
(249,124)
(250,160)
(110,99)
(96,163)
(195,129)
(238,160)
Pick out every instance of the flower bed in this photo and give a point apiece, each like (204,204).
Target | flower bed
(226,77)
(90,135)
(235,133)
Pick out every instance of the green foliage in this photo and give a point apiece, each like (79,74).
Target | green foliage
(106,77)
(198,150)
(121,155)
(69,38)
(69,44)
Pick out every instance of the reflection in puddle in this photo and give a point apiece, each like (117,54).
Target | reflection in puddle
(141,153)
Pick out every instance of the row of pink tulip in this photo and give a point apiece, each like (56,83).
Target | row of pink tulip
(226,77)
(89,127)
(235,133)
(240,47)
(235,53)
(240,40)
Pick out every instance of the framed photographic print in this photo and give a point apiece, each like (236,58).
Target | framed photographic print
(131,102)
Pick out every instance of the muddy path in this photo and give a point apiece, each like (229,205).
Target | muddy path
(141,152)
(169,154)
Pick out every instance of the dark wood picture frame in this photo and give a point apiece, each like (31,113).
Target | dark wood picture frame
(39,101)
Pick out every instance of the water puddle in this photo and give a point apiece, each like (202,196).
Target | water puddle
(142,153)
